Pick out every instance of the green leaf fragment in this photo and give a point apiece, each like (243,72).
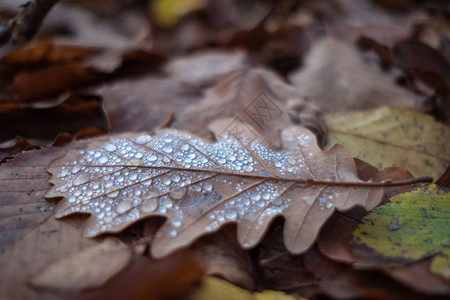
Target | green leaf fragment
(410,227)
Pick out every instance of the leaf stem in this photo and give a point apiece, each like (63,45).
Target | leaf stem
(384,183)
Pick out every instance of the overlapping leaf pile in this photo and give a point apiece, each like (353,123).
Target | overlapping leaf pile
(174,140)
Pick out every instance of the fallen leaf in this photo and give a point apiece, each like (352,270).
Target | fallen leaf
(335,236)
(411,227)
(393,137)
(418,276)
(215,288)
(281,270)
(72,115)
(101,261)
(31,238)
(144,103)
(150,279)
(344,282)
(444,180)
(257,98)
(221,255)
(424,63)
(167,13)
(200,187)
(196,70)
(336,79)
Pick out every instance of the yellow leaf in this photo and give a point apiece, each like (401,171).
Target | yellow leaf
(167,13)
(218,289)
(393,137)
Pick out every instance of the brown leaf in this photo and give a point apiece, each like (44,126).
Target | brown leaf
(424,63)
(418,276)
(99,262)
(203,69)
(444,180)
(221,255)
(143,104)
(350,83)
(31,238)
(150,279)
(342,282)
(200,187)
(73,115)
(256,97)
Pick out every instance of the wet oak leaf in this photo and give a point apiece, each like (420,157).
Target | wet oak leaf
(393,137)
(200,187)
(412,226)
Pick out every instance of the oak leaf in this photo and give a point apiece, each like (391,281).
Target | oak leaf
(350,83)
(200,187)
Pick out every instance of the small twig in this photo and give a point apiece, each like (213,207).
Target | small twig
(24,25)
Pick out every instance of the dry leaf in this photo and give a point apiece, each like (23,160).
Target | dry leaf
(200,187)
(203,69)
(256,97)
(101,261)
(394,137)
(221,255)
(144,103)
(31,238)
(335,78)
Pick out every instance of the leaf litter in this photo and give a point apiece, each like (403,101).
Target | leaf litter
(200,187)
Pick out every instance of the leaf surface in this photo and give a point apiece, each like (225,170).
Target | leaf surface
(393,137)
(412,226)
(200,187)
(336,79)
(33,241)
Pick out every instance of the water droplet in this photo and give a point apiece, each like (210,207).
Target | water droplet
(80,179)
(291,161)
(231,215)
(147,182)
(114,194)
(255,196)
(247,169)
(266,196)
(207,187)
(222,160)
(277,201)
(103,159)
(178,193)
(110,147)
(150,202)
(176,178)
(176,223)
(184,147)
(76,169)
(277,164)
(152,157)
(173,233)
(139,155)
(329,205)
(167,181)
(167,149)
(123,207)
(142,139)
